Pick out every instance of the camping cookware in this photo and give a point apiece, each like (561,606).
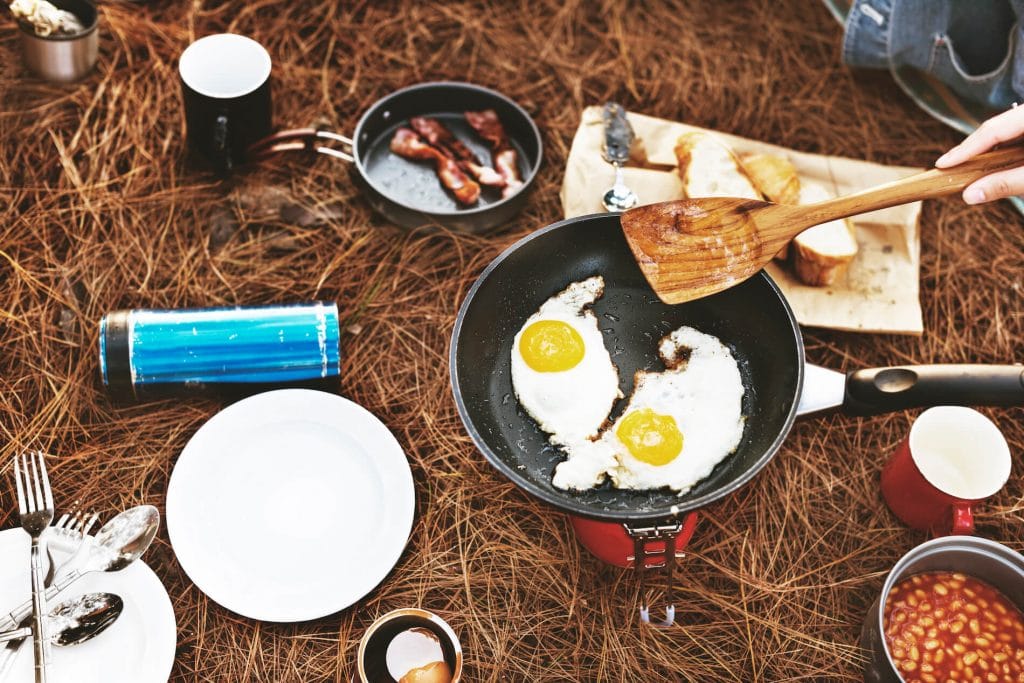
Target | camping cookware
(59,57)
(752,318)
(991,562)
(689,248)
(406,192)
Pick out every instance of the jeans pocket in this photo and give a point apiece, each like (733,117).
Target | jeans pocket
(992,87)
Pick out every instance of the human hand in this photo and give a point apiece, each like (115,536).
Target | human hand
(1001,128)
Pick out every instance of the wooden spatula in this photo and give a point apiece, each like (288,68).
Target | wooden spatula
(691,248)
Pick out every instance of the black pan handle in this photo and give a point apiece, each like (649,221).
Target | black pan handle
(882,390)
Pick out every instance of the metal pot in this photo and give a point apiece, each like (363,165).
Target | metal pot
(409,193)
(64,58)
(981,558)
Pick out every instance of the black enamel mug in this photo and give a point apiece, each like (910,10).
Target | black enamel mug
(225,83)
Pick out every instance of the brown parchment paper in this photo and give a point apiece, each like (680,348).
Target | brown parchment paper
(879,292)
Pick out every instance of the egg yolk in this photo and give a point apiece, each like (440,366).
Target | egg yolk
(650,437)
(551,346)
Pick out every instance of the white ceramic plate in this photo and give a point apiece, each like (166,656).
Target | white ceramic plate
(137,648)
(290,505)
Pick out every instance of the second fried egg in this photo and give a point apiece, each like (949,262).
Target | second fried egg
(679,423)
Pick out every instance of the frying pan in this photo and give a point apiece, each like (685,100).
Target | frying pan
(753,319)
(408,192)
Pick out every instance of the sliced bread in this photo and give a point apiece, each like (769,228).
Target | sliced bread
(822,253)
(709,168)
(776,178)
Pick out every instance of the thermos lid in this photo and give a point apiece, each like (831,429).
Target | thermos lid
(115,355)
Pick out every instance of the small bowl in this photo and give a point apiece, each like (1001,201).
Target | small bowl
(63,58)
(374,645)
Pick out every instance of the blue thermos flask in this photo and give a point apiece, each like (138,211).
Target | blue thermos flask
(230,351)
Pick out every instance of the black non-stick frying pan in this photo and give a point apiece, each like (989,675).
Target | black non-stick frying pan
(753,319)
(407,192)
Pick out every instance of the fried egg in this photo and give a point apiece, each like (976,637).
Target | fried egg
(679,423)
(562,373)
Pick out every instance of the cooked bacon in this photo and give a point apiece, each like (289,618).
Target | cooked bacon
(438,135)
(508,166)
(488,126)
(408,144)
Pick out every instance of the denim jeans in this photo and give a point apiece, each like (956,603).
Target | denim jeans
(976,47)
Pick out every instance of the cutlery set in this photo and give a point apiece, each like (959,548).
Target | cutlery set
(118,543)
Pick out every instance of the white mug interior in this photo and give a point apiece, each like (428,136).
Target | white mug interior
(224,65)
(960,452)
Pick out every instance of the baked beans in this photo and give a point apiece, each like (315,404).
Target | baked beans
(942,626)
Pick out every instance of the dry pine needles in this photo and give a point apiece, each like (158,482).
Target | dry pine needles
(99,210)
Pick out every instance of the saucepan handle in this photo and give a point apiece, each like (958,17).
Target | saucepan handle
(298,139)
(882,390)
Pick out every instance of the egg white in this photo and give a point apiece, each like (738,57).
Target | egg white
(702,389)
(571,405)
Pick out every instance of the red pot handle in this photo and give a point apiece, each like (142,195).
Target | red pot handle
(963,520)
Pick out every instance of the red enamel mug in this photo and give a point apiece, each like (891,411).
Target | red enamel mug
(953,459)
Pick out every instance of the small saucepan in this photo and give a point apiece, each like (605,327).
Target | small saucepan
(408,192)
(753,319)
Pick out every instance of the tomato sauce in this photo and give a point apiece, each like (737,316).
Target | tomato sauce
(943,626)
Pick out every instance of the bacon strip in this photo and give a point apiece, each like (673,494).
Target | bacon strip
(408,144)
(438,135)
(488,126)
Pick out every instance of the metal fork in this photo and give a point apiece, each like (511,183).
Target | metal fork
(68,520)
(73,526)
(35,505)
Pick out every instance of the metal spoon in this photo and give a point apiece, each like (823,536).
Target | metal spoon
(120,542)
(76,621)
(71,622)
(618,139)
(619,197)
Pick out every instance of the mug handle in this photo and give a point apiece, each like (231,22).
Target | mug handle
(221,140)
(963,520)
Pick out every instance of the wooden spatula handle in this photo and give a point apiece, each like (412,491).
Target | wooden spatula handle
(932,183)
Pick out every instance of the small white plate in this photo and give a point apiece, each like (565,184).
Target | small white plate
(137,648)
(290,505)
